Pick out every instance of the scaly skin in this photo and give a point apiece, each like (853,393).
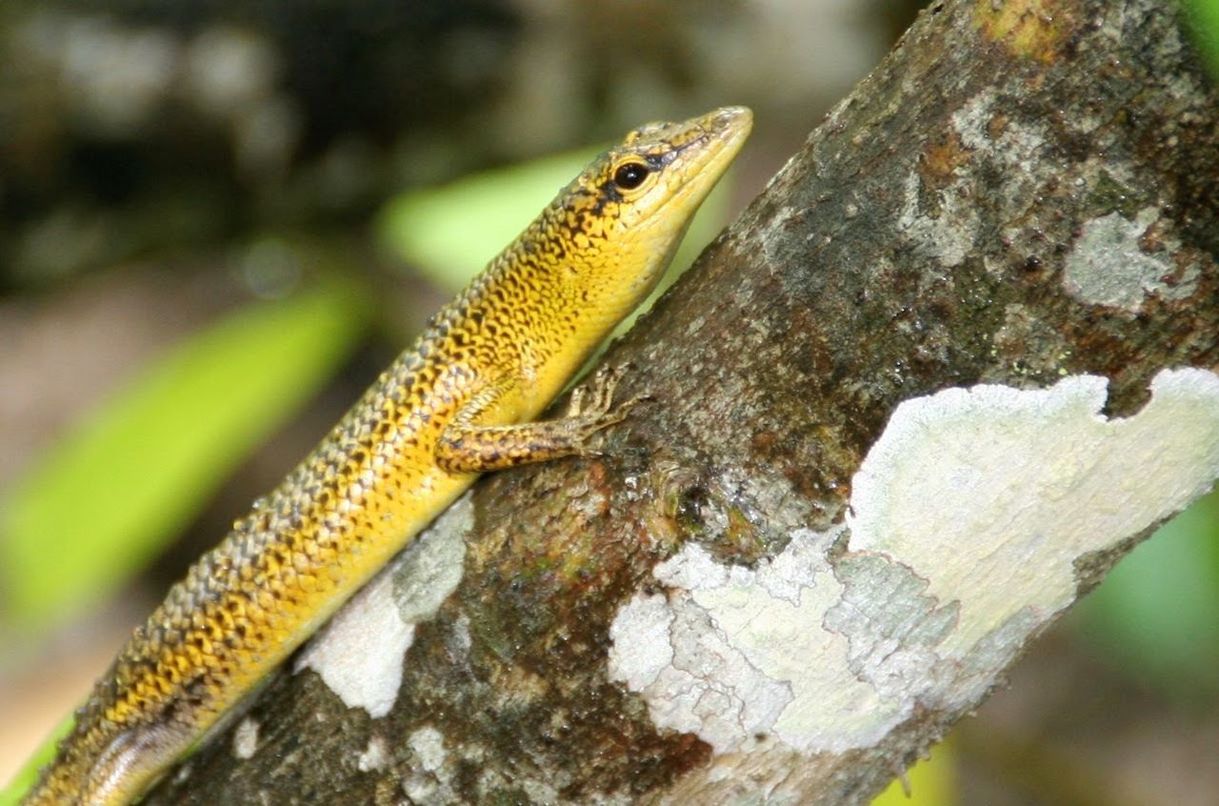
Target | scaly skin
(454,405)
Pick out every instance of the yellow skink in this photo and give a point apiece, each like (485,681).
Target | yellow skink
(457,404)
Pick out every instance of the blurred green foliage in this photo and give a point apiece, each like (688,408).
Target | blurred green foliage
(110,495)
(450,232)
(1156,617)
(1204,25)
(930,782)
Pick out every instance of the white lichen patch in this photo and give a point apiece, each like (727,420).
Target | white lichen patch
(359,654)
(245,739)
(1015,144)
(492,784)
(893,626)
(421,789)
(969,517)
(374,755)
(943,222)
(733,654)
(1108,266)
(428,745)
(946,236)
(992,494)
(431,779)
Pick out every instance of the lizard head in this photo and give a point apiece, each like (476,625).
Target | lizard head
(625,214)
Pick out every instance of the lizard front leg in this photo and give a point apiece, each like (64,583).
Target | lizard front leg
(468,445)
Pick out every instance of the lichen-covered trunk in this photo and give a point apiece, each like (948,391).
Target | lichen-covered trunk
(952,363)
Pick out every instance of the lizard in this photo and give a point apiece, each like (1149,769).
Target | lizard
(460,402)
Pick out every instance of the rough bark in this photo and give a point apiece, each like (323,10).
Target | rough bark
(824,543)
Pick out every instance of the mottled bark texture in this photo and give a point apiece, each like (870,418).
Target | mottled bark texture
(1024,194)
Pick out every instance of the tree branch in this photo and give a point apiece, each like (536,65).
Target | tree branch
(949,367)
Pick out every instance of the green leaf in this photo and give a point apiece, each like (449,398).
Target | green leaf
(452,232)
(932,782)
(1203,16)
(111,494)
(1157,614)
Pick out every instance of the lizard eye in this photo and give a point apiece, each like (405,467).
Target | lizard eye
(630,175)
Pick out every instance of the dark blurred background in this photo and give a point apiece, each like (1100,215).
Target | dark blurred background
(194,253)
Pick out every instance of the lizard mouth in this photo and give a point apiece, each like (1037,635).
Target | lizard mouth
(701,148)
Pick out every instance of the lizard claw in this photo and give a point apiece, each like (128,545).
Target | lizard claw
(595,398)
(593,403)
